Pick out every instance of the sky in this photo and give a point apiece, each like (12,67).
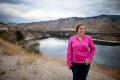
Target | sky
(25,11)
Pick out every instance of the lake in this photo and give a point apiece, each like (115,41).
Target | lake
(106,55)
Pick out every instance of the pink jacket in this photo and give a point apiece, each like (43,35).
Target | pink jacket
(78,51)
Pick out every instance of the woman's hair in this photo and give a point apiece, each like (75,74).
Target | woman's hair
(77,27)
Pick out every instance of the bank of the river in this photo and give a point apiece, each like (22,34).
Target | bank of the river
(99,37)
(97,41)
(106,42)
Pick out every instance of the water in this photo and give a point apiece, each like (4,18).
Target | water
(105,55)
(53,46)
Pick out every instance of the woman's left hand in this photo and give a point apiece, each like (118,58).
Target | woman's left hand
(87,62)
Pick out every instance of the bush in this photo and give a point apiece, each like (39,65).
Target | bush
(19,36)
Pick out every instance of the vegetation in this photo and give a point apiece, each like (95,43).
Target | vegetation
(19,37)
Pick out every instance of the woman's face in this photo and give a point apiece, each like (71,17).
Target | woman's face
(81,30)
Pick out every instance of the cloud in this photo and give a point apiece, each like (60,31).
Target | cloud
(113,6)
(12,1)
(34,14)
(42,10)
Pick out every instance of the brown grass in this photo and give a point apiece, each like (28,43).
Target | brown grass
(59,59)
(2,72)
(9,48)
(35,71)
(13,49)
(0,60)
(24,77)
(109,71)
(31,58)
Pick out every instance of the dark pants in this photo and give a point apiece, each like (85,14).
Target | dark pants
(80,71)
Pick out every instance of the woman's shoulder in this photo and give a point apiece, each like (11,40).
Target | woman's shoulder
(88,36)
(72,37)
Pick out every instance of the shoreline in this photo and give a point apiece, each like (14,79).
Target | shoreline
(105,42)
(97,41)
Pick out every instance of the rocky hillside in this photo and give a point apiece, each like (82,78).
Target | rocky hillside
(101,23)
(5,33)
(102,27)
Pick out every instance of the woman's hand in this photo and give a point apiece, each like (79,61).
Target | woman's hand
(87,62)
(69,66)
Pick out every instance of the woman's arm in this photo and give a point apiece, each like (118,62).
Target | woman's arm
(92,49)
(69,53)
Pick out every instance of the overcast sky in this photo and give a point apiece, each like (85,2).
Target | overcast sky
(20,11)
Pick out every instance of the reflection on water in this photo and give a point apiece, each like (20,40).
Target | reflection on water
(53,46)
(105,55)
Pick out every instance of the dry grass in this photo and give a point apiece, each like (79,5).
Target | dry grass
(44,69)
(2,72)
(27,59)
(0,61)
(10,49)
(109,71)
(24,77)
(35,71)
(1,50)
(59,59)
(18,62)
(31,58)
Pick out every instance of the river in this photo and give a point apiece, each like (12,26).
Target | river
(106,55)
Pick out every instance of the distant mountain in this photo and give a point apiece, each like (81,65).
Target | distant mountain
(3,27)
(95,23)
(112,17)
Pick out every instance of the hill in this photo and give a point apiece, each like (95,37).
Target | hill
(101,23)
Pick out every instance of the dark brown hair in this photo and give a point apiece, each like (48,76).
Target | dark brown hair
(77,27)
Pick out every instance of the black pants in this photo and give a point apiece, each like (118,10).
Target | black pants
(80,71)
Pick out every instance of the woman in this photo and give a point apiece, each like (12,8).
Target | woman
(80,52)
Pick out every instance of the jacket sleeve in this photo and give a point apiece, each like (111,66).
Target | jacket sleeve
(92,49)
(69,53)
